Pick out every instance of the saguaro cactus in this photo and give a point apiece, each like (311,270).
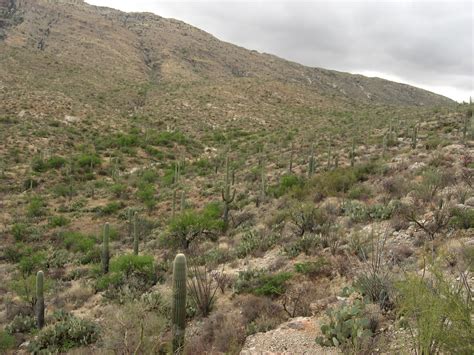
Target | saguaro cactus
(329,155)
(105,249)
(311,163)
(178,316)
(39,299)
(174,202)
(290,168)
(414,137)
(135,233)
(353,152)
(227,196)
(467,121)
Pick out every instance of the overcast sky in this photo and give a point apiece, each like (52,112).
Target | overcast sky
(424,43)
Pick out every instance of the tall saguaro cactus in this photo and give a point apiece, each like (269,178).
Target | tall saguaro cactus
(178,316)
(227,196)
(353,153)
(414,137)
(135,233)
(40,299)
(105,249)
(311,163)
(290,167)
(467,121)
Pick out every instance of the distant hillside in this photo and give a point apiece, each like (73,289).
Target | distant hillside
(70,57)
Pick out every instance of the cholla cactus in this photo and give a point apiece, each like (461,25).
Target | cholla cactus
(39,299)
(178,317)
(105,249)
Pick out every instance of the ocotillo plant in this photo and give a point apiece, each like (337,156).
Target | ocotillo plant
(227,196)
(135,233)
(105,249)
(178,316)
(39,299)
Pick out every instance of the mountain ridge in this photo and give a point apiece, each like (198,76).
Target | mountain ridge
(99,45)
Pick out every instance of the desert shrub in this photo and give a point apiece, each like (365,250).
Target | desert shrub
(260,314)
(260,283)
(58,221)
(31,263)
(335,182)
(376,288)
(438,314)
(433,180)
(58,258)
(347,327)
(63,190)
(13,252)
(88,160)
(359,212)
(297,299)
(307,244)
(320,267)
(462,218)
(39,165)
(221,332)
(78,242)
(307,218)
(36,207)
(25,287)
(21,324)
(56,162)
(130,275)
(254,244)
(136,327)
(146,194)
(7,341)
(358,192)
(118,189)
(189,225)
(20,231)
(110,208)
(130,264)
(64,335)
(286,183)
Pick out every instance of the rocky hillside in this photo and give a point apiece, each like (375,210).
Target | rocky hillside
(319,212)
(103,59)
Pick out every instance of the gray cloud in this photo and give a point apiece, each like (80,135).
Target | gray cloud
(427,44)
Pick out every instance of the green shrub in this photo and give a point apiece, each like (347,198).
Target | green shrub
(347,327)
(287,182)
(65,335)
(20,231)
(36,207)
(358,192)
(56,162)
(462,218)
(110,208)
(32,263)
(307,244)
(88,160)
(21,324)
(146,193)
(58,221)
(130,264)
(78,242)
(25,287)
(314,268)
(190,225)
(7,341)
(438,314)
(39,165)
(259,283)
(252,243)
(118,189)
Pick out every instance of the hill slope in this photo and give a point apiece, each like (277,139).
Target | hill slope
(88,58)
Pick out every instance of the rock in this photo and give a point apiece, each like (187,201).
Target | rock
(469,202)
